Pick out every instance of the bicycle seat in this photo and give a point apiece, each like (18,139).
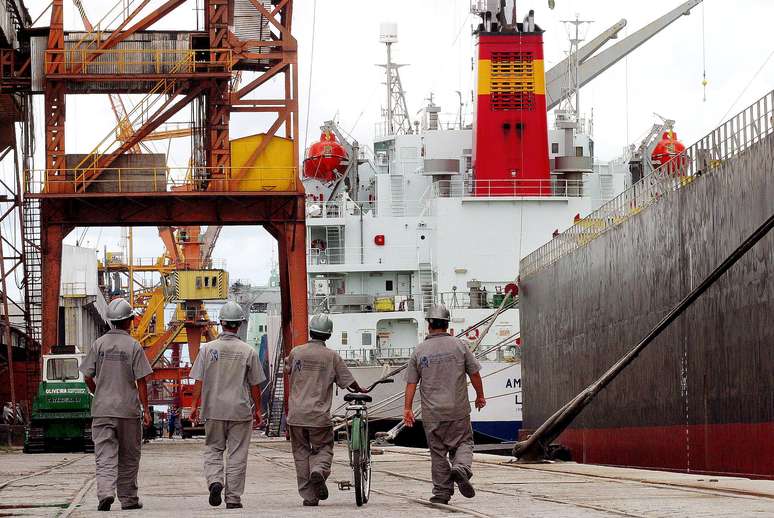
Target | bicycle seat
(360,398)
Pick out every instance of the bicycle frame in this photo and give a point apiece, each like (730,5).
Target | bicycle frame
(357,414)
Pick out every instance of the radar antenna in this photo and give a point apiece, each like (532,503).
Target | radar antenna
(395,115)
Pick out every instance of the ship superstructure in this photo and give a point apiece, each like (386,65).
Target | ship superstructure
(439,214)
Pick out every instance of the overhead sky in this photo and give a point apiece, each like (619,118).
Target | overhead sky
(341,81)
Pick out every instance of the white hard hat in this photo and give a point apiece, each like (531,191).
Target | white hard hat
(231,312)
(118,310)
(437,312)
(322,324)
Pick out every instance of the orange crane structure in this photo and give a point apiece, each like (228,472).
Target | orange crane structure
(248,181)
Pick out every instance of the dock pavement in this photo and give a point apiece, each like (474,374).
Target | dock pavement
(171,485)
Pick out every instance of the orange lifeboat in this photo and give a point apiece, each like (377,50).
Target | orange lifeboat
(667,150)
(324,158)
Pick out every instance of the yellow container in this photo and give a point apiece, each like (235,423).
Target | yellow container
(273,170)
(198,285)
(384,304)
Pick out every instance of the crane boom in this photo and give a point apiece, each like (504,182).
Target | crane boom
(556,76)
(591,66)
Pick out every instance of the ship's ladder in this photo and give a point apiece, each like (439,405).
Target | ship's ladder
(275,421)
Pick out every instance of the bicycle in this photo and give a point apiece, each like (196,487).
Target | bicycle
(358,443)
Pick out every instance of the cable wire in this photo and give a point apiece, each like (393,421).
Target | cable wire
(749,83)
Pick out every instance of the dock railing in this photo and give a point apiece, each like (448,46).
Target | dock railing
(728,140)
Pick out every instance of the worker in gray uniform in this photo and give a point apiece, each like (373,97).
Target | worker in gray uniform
(116,372)
(441,363)
(312,369)
(228,374)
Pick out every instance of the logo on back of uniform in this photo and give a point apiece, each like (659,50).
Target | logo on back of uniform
(297,365)
(214,355)
(424,361)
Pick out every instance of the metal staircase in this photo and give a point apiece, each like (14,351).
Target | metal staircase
(33,275)
(335,242)
(275,420)
(426,284)
(396,189)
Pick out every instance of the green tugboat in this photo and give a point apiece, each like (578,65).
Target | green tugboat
(61,411)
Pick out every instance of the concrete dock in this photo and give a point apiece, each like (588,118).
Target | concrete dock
(171,484)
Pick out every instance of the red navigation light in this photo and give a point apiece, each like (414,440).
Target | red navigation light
(379,240)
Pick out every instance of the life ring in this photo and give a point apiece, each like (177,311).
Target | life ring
(472,335)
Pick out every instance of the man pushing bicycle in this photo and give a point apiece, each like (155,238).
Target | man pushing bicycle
(312,369)
(441,363)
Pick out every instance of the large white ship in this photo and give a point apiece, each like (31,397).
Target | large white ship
(408,221)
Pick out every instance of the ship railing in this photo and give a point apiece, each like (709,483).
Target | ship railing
(155,178)
(338,208)
(376,355)
(463,300)
(732,138)
(465,188)
(396,256)
(75,289)
(392,355)
(376,303)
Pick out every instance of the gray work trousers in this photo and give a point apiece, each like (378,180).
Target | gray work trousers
(312,452)
(233,439)
(451,446)
(117,443)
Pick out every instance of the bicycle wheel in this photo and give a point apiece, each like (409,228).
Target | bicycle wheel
(361,462)
(357,469)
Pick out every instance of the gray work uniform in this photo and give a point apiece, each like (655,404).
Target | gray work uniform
(441,363)
(313,369)
(116,361)
(227,368)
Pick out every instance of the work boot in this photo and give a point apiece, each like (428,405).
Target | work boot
(233,505)
(319,480)
(461,478)
(130,507)
(310,503)
(439,500)
(215,490)
(105,503)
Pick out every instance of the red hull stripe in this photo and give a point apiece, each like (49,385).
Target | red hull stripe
(740,449)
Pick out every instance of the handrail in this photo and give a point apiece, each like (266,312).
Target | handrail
(728,140)
(85,61)
(163,179)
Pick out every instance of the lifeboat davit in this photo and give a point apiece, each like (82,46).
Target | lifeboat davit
(324,158)
(667,151)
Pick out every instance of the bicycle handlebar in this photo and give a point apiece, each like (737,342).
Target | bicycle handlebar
(375,383)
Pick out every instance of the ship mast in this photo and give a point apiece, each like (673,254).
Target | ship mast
(395,115)
(570,105)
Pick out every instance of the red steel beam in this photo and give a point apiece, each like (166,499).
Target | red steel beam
(170,373)
(163,209)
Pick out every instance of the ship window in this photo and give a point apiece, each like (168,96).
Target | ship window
(206,282)
(198,283)
(388,285)
(62,369)
(555,147)
(343,338)
(512,81)
(578,150)
(214,282)
(367,339)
